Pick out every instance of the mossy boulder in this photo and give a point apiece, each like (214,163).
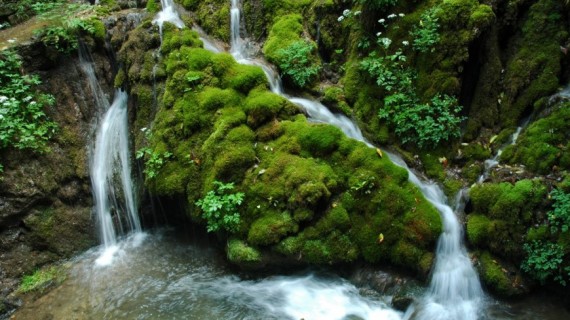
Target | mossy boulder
(501,215)
(311,194)
(502,279)
(543,147)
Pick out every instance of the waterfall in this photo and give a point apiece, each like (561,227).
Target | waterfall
(455,291)
(111,166)
(110,171)
(167,14)
(494,161)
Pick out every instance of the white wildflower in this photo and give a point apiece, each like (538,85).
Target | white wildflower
(378,34)
(392,16)
(3,98)
(32,103)
(346,12)
(405,43)
(401,15)
(382,20)
(385,42)
(340,18)
(143,129)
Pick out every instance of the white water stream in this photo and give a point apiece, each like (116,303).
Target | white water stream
(169,276)
(455,291)
(110,170)
(494,161)
(167,14)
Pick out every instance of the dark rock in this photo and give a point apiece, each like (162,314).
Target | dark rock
(401,302)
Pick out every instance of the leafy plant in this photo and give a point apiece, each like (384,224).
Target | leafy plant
(559,216)
(425,124)
(413,120)
(23,123)
(544,260)
(425,34)
(153,160)
(68,20)
(295,61)
(219,207)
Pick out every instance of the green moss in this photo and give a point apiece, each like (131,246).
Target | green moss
(482,17)
(119,78)
(478,228)
(42,279)
(174,38)
(240,252)
(262,106)
(271,228)
(286,30)
(475,151)
(244,78)
(532,72)
(212,98)
(494,275)
(42,224)
(543,146)
(100,31)
(320,140)
(406,254)
(508,209)
(537,234)
(151,6)
(213,16)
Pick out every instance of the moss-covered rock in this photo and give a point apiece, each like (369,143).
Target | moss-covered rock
(240,253)
(500,278)
(543,147)
(501,215)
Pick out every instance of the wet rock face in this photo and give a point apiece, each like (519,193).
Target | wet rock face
(45,199)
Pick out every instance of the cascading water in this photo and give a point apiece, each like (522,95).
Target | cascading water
(455,291)
(167,14)
(110,166)
(494,161)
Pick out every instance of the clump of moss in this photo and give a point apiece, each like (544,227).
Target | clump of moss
(294,55)
(241,253)
(544,145)
(42,279)
(271,228)
(531,73)
(478,228)
(501,213)
(495,276)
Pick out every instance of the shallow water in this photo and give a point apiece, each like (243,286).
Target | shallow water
(163,275)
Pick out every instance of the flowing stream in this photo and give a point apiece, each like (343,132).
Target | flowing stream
(113,191)
(455,291)
(165,275)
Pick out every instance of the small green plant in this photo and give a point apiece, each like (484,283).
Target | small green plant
(67,22)
(153,160)
(219,207)
(559,216)
(23,123)
(41,279)
(544,261)
(295,61)
(425,34)
(423,123)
